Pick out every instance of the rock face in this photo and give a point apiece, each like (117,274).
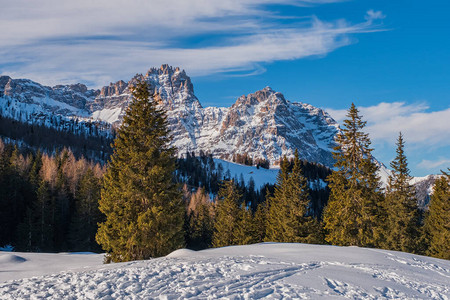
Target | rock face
(263,124)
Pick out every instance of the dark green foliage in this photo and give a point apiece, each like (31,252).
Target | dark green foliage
(245,232)
(200,220)
(38,193)
(200,171)
(260,221)
(143,206)
(16,193)
(402,222)
(227,215)
(87,214)
(234,223)
(354,214)
(437,220)
(93,144)
(288,219)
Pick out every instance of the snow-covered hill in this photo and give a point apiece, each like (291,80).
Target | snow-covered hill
(269,270)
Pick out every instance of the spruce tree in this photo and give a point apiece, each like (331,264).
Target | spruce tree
(437,220)
(402,232)
(354,214)
(84,221)
(143,206)
(227,215)
(288,219)
(199,219)
(245,232)
(260,221)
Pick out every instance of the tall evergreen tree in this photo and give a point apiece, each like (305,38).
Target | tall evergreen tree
(260,221)
(402,232)
(143,206)
(245,232)
(227,215)
(437,220)
(87,214)
(288,218)
(354,214)
(200,222)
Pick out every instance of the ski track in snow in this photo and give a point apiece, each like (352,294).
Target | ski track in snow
(212,274)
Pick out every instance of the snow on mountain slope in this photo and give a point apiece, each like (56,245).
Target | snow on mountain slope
(260,176)
(269,270)
(262,124)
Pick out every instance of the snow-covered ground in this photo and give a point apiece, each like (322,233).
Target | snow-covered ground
(268,270)
(260,176)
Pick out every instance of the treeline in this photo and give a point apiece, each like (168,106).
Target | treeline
(84,139)
(245,159)
(53,202)
(286,215)
(202,172)
(359,211)
(48,203)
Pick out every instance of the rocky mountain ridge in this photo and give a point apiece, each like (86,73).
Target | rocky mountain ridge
(262,124)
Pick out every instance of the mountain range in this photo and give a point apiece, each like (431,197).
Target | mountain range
(263,125)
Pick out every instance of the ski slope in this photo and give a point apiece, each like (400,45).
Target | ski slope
(268,270)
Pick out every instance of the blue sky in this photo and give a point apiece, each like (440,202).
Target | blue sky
(391,58)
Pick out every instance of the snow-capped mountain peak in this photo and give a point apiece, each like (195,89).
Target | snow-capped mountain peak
(262,124)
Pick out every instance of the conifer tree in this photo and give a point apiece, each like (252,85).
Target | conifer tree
(143,206)
(87,215)
(288,219)
(437,220)
(200,221)
(226,215)
(354,214)
(402,232)
(260,221)
(245,231)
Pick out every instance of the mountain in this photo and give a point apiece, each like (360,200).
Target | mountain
(263,125)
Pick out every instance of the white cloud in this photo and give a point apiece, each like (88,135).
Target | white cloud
(420,127)
(432,164)
(101,41)
(372,15)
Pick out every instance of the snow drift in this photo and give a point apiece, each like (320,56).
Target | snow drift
(268,270)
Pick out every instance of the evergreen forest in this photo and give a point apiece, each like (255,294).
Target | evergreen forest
(145,202)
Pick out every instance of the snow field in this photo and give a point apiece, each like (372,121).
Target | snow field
(268,270)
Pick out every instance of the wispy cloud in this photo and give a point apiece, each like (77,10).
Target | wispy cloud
(419,126)
(432,164)
(101,41)
(373,15)
(425,132)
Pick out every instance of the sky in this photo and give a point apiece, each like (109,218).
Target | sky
(390,58)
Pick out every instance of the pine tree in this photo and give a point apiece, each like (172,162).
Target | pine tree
(354,214)
(36,232)
(402,232)
(227,215)
(288,219)
(200,221)
(245,231)
(260,221)
(87,215)
(437,220)
(143,206)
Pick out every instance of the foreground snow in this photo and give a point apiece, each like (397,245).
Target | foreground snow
(267,270)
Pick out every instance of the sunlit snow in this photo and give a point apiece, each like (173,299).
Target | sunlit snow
(269,270)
